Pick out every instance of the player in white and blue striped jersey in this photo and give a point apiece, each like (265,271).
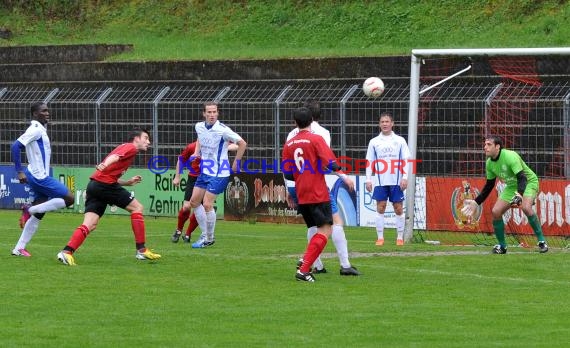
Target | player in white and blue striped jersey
(388,156)
(213,140)
(48,193)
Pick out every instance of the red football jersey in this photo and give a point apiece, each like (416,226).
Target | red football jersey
(185,155)
(112,173)
(308,156)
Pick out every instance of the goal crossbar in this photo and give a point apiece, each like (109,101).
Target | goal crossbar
(427,53)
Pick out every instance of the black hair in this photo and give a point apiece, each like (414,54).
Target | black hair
(315,108)
(302,117)
(36,107)
(497,140)
(138,132)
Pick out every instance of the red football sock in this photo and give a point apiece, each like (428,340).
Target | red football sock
(78,237)
(192,225)
(137,223)
(182,217)
(314,249)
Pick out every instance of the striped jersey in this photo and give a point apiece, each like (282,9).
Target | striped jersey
(387,156)
(214,141)
(38,149)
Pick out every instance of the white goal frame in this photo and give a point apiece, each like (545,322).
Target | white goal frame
(417,56)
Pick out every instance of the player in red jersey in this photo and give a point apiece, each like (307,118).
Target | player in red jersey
(306,159)
(106,188)
(193,165)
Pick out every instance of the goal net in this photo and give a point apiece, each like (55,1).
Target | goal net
(457,98)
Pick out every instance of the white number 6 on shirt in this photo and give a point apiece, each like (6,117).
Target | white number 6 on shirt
(299,160)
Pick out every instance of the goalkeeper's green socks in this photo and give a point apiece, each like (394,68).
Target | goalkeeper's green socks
(533,221)
(499,228)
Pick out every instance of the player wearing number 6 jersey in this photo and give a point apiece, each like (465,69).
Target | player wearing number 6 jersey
(306,158)
(520,191)
(338,235)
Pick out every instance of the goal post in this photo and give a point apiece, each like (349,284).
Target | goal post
(417,58)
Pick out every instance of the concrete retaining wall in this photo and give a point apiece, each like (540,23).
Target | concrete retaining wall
(82,63)
(59,53)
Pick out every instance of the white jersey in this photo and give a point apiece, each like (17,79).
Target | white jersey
(38,149)
(214,143)
(315,128)
(388,155)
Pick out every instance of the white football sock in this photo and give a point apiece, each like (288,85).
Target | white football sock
(341,245)
(400,226)
(52,204)
(28,232)
(380,225)
(311,231)
(211,224)
(200,214)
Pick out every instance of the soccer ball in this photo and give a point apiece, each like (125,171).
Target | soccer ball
(373,87)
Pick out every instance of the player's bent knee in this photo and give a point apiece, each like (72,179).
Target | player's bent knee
(69,201)
(527,210)
(497,214)
(135,207)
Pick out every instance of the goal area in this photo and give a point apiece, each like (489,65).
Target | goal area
(458,97)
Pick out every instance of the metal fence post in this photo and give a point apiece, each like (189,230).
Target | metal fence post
(566,142)
(488,99)
(277,115)
(50,95)
(98,103)
(343,101)
(221,94)
(155,102)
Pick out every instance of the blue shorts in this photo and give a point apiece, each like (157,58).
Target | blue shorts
(293,194)
(46,188)
(394,193)
(212,184)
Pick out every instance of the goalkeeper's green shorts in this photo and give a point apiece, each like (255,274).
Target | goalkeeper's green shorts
(531,191)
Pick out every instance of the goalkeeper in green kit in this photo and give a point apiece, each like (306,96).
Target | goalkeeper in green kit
(520,191)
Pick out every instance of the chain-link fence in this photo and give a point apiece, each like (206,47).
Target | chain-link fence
(88,121)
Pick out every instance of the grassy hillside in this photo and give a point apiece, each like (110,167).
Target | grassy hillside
(214,29)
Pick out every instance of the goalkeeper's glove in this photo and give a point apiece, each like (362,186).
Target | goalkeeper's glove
(516,201)
(469,207)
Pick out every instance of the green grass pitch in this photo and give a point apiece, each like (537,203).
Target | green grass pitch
(242,293)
